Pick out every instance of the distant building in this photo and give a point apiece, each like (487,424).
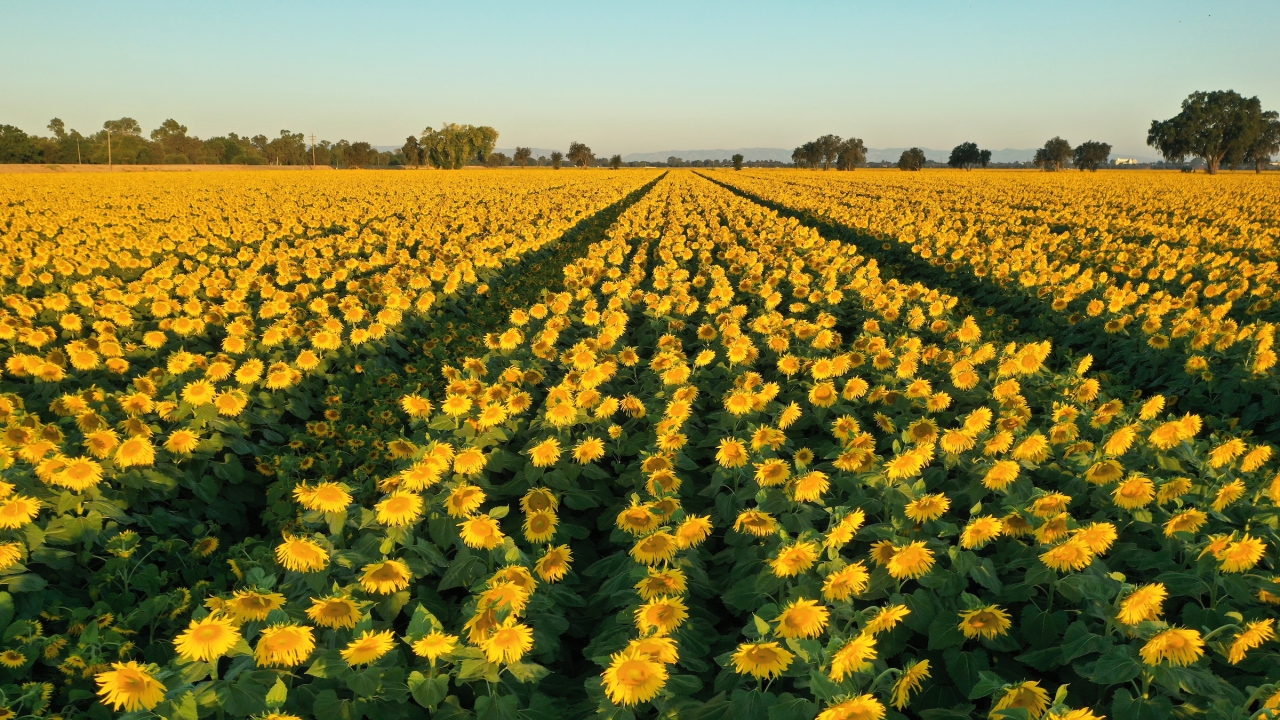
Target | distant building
(1126,161)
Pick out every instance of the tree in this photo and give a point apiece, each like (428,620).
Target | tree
(16,146)
(807,155)
(615,162)
(522,156)
(580,154)
(912,159)
(965,155)
(827,149)
(1214,126)
(984,158)
(58,128)
(1054,155)
(737,161)
(453,146)
(123,127)
(1089,155)
(497,160)
(557,159)
(413,152)
(359,155)
(1266,143)
(852,153)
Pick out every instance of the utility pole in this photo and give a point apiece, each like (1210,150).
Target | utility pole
(108,149)
(313,151)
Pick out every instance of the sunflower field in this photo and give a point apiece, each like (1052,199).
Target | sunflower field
(524,445)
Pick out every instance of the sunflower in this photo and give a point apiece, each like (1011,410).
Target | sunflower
(1179,646)
(772,472)
(589,450)
(886,618)
(846,582)
(764,660)
(540,526)
(910,561)
(660,547)
(251,605)
(545,453)
(464,500)
(1188,521)
(1238,556)
(135,452)
(731,453)
(470,462)
(12,659)
(301,555)
(554,564)
(802,619)
(481,532)
(661,615)
(693,531)
(1253,635)
(10,554)
(659,648)
(1070,555)
(78,474)
(633,678)
(386,577)
(908,682)
(862,707)
(182,442)
(989,622)
(130,687)
(927,507)
(284,645)
(207,640)
(1001,475)
(979,531)
(853,657)
(1135,492)
(334,612)
(508,643)
(369,647)
(399,509)
(755,522)
(1028,695)
(435,645)
(325,497)
(657,583)
(810,487)
(537,499)
(637,519)
(18,511)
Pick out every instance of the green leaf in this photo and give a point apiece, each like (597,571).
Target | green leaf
(1041,629)
(988,683)
(965,667)
(366,683)
(944,631)
(27,582)
(497,707)
(1124,706)
(789,707)
(1116,665)
(762,626)
(428,692)
(279,693)
(527,672)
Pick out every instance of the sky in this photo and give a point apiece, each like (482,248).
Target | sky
(647,76)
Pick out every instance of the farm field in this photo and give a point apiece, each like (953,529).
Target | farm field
(532,444)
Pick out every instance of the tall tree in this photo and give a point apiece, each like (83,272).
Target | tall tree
(126,126)
(453,146)
(984,158)
(965,155)
(557,159)
(522,156)
(912,159)
(580,154)
(413,151)
(615,162)
(360,154)
(852,153)
(1090,154)
(497,160)
(737,161)
(828,149)
(1266,143)
(1054,155)
(58,128)
(1214,126)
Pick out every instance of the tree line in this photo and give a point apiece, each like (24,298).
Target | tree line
(123,142)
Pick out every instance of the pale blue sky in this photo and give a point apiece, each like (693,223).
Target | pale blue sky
(638,77)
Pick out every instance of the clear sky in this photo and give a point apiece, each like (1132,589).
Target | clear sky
(638,76)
